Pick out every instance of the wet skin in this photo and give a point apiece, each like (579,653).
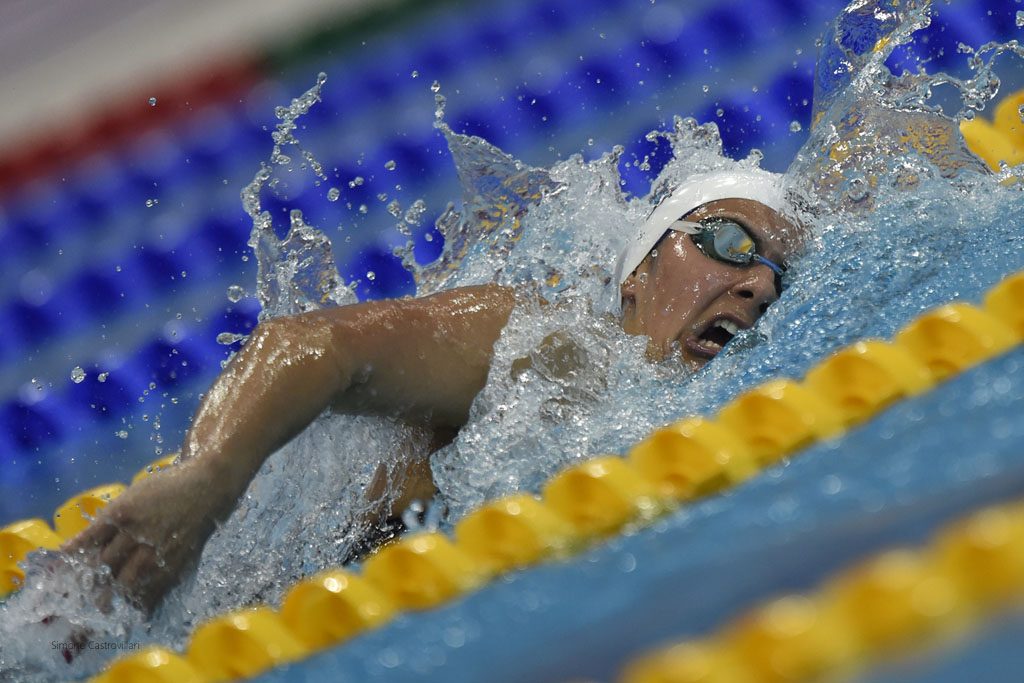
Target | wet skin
(677,293)
(420,360)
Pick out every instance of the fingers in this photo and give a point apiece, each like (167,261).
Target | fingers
(118,552)
(143,580)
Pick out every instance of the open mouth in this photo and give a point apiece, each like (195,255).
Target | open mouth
(717,334)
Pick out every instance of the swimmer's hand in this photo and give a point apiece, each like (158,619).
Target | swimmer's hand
(153,532)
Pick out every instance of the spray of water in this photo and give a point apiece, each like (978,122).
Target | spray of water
(566,382)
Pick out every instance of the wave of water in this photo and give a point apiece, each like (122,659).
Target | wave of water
(903,217)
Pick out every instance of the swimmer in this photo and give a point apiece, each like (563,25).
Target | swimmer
(705,264)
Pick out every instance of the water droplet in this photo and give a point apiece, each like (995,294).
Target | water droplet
(371,276)
(435,87)
(1020,18)
(795,127)
(227,338)
(627,563)
(77,375)
(390,165)
(389,658)
(1020,112)
(415,74)
(356,182)
(102,377)
(363,208)
(719,112)
(152,101)
(394,208)
(428,237)
(383,197)
(454,637)
(590,142)
(235,293)
(150,203)
(831,485)
(705,87)
(123,434)
(333,194)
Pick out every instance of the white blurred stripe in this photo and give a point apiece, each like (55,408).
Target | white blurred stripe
(61,58)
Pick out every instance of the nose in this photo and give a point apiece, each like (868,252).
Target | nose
(757,288)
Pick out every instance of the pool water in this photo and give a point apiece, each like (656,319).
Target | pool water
(902,228)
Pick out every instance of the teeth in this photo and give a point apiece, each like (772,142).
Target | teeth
(729,327)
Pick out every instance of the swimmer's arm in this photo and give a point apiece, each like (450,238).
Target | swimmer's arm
(419,359)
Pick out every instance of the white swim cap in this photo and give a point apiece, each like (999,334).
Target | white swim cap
(755,184)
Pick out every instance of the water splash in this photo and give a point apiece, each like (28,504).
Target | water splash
(566,382)
(298,273)
(872,129)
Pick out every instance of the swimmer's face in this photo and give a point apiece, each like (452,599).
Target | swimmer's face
(680,295)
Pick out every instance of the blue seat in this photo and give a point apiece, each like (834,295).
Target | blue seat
(635,181)
(347,172)
(160,269)
(428,242)
(795,12)
(436,59)
(155,165)
(28,427)
(482,121)
(740,128)
(951,26)
(169,364)
(100,187)
(598,82)
(104,400)
(97,292)
(9,345)
(223,238)
(32,325)
(999,15)
(547,110)
(555,16)
(208,140)
(237,318)
(31,227)
(390,279)
(793,92)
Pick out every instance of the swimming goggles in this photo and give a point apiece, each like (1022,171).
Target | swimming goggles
(727,241)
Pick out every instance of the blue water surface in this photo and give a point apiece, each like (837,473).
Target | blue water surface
(890,482)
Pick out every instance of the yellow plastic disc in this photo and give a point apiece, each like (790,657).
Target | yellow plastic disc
(78,512)
(242,644)
(780,417)
(332,606)
(693,457)
(864,378)
(150,665)
(954,337)
(423,570)
(601,495)
(1005,302)
(514,531)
